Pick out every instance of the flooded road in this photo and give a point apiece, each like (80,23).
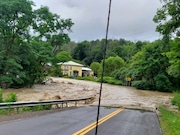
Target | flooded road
(62,88)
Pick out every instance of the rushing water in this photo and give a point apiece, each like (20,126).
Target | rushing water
(111,95)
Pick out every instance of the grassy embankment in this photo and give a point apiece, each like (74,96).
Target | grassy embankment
(106,79)
(170,120)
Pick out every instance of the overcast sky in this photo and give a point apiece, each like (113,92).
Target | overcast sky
(130,19)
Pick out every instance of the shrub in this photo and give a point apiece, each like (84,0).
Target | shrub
(11,97)
(110,80)
(145,85)
(118,82)
(55,71)
(176,100)
(162,83)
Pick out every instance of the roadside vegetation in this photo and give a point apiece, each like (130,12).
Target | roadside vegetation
(169,121)
(11,111)
(170,118)
(176,100)
(11,97)
(106,79)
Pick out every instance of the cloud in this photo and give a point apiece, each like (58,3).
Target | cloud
(130,19)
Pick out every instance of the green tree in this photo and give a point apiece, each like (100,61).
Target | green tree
(50,27)
(16,18)
(80,52)
(162,82)
(112,64)
(23,56)
(149,65)
(168,18)
(174,58)
(95,66)
(63,56)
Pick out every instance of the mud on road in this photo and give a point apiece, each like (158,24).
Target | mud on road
(112,95)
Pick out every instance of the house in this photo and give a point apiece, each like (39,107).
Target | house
(74,69)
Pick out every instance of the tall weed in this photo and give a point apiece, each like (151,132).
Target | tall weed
(11,97)
(176,99)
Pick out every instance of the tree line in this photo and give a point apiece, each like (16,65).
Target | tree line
(148,64)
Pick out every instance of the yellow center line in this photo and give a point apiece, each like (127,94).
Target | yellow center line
(93,125)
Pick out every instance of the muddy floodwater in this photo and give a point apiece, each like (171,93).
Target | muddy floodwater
(112,95)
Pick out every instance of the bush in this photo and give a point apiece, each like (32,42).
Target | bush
(176,100)
(110,80)
(144,85)
(55,71)
(162,83)
(11,97)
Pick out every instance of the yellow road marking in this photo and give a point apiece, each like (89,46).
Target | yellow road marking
(93,125)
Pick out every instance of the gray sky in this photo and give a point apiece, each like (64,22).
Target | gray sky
(130,19)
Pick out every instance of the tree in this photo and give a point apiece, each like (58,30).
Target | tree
(16,18)
(168,19)
(112,64)
(174,58)
(63,56)
(50,27)
(23,55)
(95,66)
(149,65)
(80,51)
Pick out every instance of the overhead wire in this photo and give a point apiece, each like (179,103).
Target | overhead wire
(103,65)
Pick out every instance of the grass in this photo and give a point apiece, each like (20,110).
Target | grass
(169,121)
(3,112)
(88,78)
(24,109)
(110,80)
(106,79)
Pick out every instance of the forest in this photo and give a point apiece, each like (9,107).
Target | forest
(29,39)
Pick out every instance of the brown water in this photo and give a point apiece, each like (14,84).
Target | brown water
(111,94)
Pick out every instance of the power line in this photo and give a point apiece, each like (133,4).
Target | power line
(104,56)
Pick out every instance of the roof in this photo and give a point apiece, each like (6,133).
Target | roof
(86,69)
(71,63)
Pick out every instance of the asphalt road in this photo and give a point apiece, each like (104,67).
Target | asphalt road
(114,122)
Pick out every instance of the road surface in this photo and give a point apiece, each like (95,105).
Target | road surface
(113,121)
